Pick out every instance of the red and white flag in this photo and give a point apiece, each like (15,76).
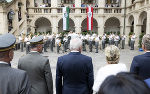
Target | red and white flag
(89,11)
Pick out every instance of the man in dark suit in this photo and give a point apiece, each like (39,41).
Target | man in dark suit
(76,70)
(141,63)
(38,68)
(12,81)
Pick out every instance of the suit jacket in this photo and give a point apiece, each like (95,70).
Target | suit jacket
(141,65)
(38,69)
(13,81)
(77,73)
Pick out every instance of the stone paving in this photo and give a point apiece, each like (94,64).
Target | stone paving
(98,59)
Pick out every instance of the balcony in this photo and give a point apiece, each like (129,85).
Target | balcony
(113,10)
(48,10)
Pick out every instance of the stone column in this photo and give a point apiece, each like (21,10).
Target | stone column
(78,29)
(148,22)
(54,4)
(101,3)
(32,3)
(78,24)
(54,24)
(121,29)
(78,4)
(137,33)
(101,25)
(128,29)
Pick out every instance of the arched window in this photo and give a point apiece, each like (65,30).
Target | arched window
(113,3)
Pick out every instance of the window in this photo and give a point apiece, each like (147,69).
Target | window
(113,3)
(67,1)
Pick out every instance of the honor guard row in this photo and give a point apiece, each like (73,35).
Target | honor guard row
(92,41)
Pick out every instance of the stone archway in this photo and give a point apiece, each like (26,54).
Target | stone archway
(112,25)
(71,25)
(143,21)
(84,25)
(43,24)
(131,23)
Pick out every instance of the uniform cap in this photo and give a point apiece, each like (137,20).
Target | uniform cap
(7,42)
(37,40)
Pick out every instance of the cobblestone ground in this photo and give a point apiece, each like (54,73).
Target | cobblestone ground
(98,59)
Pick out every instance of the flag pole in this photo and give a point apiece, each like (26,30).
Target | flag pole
(124,17)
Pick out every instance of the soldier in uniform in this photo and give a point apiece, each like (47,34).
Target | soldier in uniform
(103,41)
(97,43)
(27,44)
(123,41)
(116,39)
(21,42)
(65,40)
(58,43)
(38,68)
(45,43)
(133,37)
(83,43)
(110,39)
(90,43)
(12,81)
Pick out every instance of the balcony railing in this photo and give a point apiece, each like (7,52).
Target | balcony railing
(48,10)
(112,10)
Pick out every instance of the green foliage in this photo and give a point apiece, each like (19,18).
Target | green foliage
(140,39)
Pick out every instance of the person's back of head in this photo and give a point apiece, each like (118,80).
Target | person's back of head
(112,54)
(76,44)
(124,83)
(146,42)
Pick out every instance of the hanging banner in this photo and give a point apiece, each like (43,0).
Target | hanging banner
(65,18)
(89,18)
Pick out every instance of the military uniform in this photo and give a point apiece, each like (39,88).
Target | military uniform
(12,81)
(83,43)
(116,39)
(65,40)
(38,69)
(27,45)
(103,41)
(21,43)
(123,41)
(133,37)
(97,43)
(58,43)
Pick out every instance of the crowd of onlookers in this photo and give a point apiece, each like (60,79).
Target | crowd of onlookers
(74,71)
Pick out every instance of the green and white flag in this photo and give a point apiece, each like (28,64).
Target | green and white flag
(65,18)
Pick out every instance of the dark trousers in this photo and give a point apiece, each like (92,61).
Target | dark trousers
(27,48)
(65,47)
(21,44)
(103,44)
(116,43)
(51,46)
(123,44)
(132,45)
(90,46)
(58,48)
(96,46)
(83,46)
(45,46)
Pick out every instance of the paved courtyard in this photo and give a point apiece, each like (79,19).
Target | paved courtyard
(98,59)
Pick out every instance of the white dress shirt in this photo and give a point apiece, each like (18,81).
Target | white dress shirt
(104,72)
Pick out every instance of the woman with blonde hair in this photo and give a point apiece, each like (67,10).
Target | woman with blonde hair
(113,66)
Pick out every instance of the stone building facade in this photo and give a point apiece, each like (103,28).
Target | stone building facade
(46,15)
